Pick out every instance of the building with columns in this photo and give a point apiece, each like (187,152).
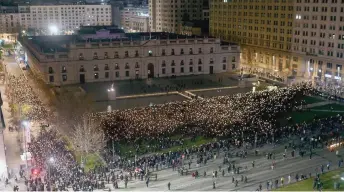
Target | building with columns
(290,37)
(61,60)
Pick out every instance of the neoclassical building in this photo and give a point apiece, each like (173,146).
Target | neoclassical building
(110,55)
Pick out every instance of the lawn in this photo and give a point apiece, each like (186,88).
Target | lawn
(305,116)
(90,161)
(311,100)
(8,46)
(144,148)
(335,107)
(327,179)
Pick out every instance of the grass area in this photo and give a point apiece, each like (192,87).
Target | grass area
(129,150)
(304,116)
(335,107)
(311,100)
(8,46)
(327,179)
(90,161)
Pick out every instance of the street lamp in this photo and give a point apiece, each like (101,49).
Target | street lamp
(26,136)
(111,95)
(51,161)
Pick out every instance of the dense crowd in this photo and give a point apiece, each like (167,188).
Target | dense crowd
(264,73)
(247,117)
(332,88)
(232,116)
(24,101)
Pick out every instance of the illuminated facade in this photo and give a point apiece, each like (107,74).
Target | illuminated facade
(9,26)
(262,27)
(292,37)
(60,19)
(167,15)
(318,38)
(61,60)
(135,19)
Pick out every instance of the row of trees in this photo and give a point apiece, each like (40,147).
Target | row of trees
(70,114)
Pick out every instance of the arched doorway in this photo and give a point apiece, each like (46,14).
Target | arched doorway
(150,71)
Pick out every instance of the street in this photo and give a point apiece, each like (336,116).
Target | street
(260,174)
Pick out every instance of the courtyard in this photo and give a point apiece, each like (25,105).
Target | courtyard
(140,93)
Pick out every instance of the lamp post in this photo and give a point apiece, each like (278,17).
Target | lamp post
(26,137)
(51,161)
(111,96)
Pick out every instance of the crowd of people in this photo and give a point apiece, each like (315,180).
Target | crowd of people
(263,73)
(330,89)
(23,101)
(240,120)
(231,116)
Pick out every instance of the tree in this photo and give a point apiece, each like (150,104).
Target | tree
(70,109)
(88,137)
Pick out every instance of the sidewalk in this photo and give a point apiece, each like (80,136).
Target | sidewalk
(12,147)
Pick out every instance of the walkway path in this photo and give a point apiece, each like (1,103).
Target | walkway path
(319,104)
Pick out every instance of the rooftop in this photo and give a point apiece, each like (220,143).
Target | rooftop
(93,29)
(61,43)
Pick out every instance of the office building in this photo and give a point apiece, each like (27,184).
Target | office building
(110,55)
(168,16)
(300,38)
(62,19)
(318,38)
(9,23)
(135,19)
(263,28)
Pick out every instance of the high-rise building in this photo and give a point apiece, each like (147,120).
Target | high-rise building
(290,37)
(262,27)
(9,23)
(318,37)
(63,18)
(168,15)
(135,19)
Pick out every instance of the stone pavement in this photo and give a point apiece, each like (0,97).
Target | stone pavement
(261,173)
(12,147)
(12,140)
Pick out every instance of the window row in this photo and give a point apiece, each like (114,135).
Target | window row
(127,73)
(106,67)
(95,68)
(150,53)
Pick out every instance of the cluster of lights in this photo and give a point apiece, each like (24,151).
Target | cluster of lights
(217,116)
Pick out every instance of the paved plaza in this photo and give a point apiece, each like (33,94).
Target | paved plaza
(123,88)
(137,102)
(260,174)
(142,93)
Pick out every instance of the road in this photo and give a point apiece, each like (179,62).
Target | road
(260,174)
